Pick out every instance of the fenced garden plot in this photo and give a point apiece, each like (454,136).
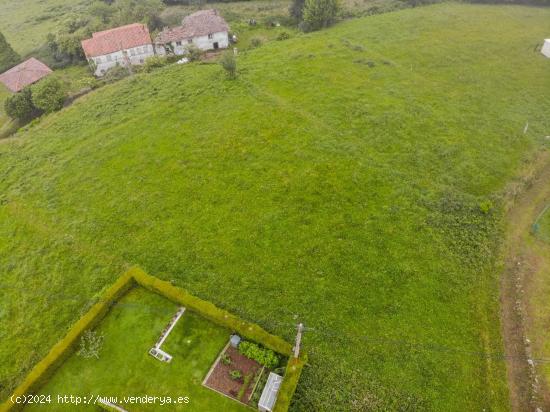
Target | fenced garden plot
(234,375)
(129,319)
(125,368)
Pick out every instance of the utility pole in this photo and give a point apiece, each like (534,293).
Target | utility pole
(298,340)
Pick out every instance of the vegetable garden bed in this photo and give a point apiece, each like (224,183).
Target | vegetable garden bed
(240,385)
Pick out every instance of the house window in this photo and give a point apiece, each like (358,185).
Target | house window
(109,58)
(210,36)
(98,60)
(178,43)
(132,52)
(190,41)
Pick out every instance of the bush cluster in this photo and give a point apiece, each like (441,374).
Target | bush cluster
(46,96)
(283,36)
(154,62)
(20,106)
(49,95)
(255,42)
(229,64)
(263,356)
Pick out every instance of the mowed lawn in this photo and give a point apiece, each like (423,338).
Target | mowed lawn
(125,369)
(348,179)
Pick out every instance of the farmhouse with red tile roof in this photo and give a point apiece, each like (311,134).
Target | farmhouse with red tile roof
(205,29)
(24,74)
(122,46)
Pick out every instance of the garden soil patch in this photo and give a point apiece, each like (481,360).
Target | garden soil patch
(221,381)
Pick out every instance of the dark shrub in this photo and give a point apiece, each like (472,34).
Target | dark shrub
(283,36)
(319,14)
(20,106)
(49,94)
(229,64)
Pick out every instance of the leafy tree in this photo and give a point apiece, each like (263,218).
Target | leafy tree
(8,57)
(296,9)
(73,22)
(318,14)
(49,94)
(20,106)
(69,45)
(130,11)
(229,64)
(102,11)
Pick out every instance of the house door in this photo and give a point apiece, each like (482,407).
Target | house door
(216,45)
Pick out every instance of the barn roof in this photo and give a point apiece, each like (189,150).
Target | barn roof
(201,23)
(119,38)
(24,74)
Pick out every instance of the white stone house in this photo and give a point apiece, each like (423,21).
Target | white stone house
(205,29)
(123,46)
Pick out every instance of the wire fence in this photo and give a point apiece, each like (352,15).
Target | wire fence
(541,226)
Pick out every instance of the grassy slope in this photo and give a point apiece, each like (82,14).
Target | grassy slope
(4,93)
(72,77)
(314,185)
(126,369)
(25,23)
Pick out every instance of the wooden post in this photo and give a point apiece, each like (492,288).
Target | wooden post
(298,340)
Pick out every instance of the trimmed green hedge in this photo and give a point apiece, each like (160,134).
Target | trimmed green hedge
(64,348)
(290,382)
(212,312)
(246,329)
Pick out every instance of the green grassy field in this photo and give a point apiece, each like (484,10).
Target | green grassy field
(125,369)
(347,179)
(542,225)
(26,23)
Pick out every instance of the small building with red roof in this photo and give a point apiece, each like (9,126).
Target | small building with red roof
(24,74)
(121,46)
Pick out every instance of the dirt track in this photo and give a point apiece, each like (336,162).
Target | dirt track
(522,265)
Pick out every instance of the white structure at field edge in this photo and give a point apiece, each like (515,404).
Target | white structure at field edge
(121,46)
(205,29)
(546,48)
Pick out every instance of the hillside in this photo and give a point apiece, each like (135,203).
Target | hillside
(348,179)
(25,23)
